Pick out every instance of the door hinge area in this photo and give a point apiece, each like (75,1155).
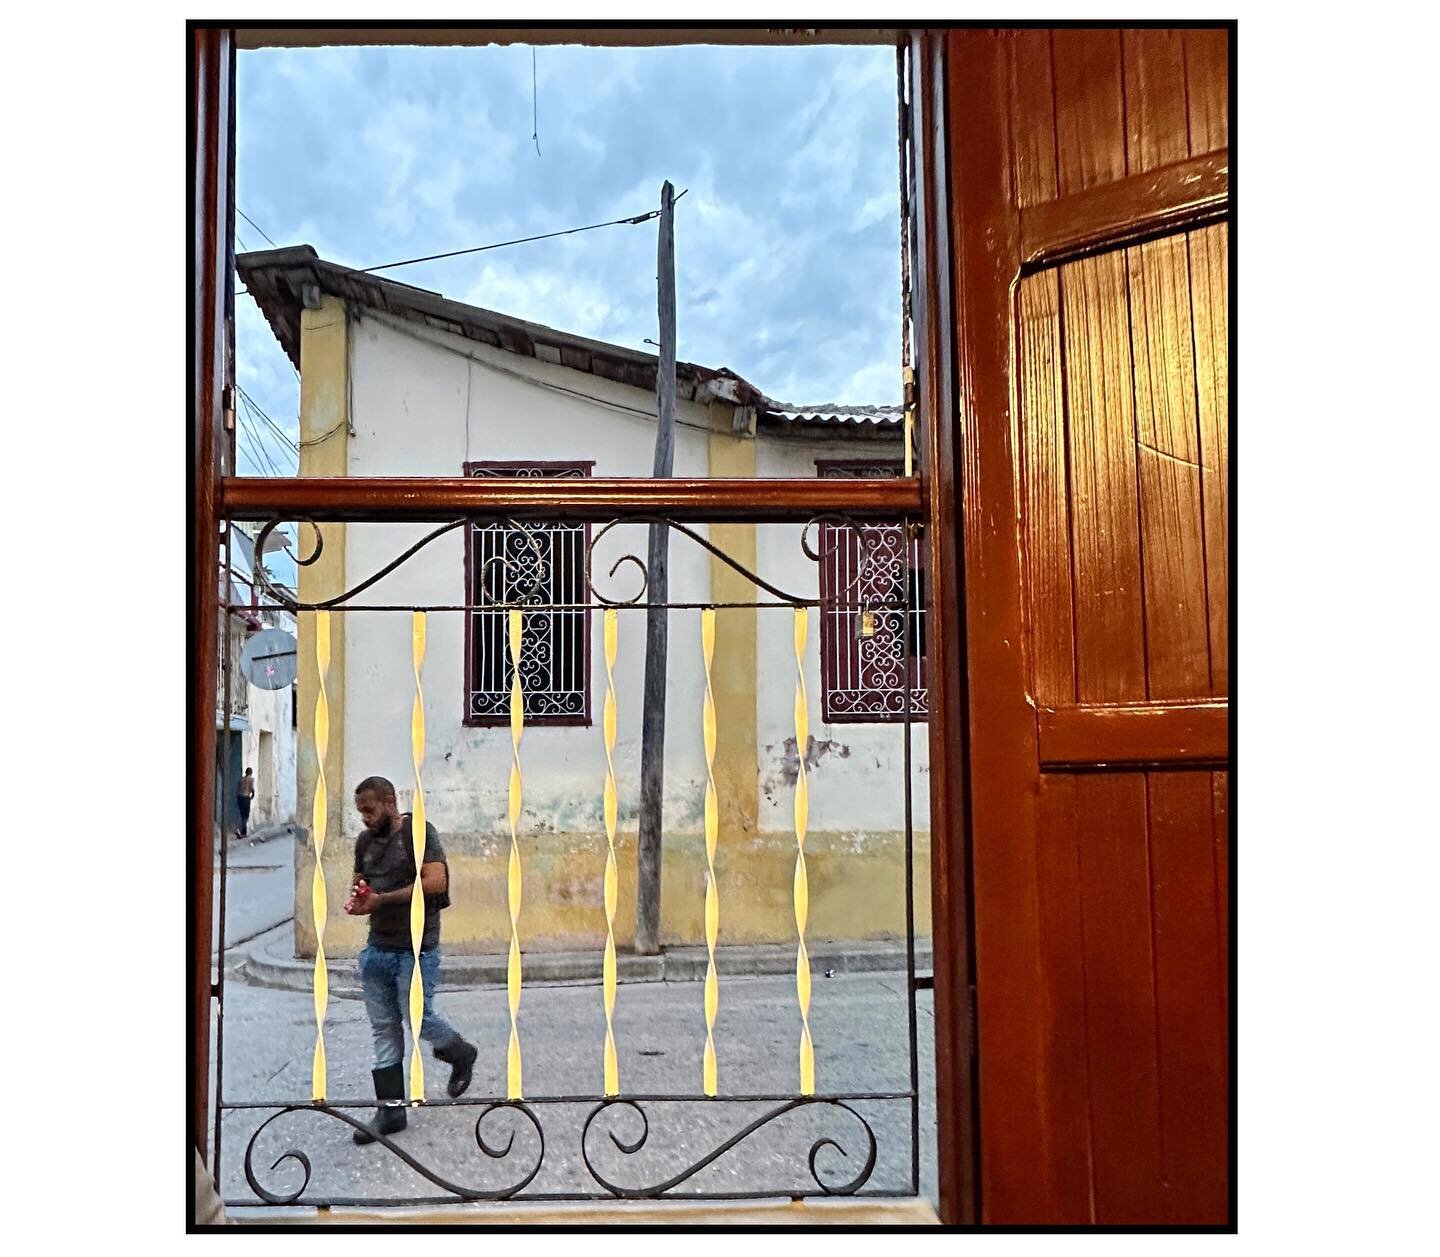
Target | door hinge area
(972,1023)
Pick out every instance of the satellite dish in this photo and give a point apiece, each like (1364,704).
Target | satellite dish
(268,660)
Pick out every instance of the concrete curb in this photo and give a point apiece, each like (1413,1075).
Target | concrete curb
(256,837)
(267,962)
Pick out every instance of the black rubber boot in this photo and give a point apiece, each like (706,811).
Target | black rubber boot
(390,1116)
(460,1056)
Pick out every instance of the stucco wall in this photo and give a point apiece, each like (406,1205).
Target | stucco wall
(423,403)
(270,713)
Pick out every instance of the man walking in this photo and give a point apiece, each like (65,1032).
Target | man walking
(244,793)
(381,889)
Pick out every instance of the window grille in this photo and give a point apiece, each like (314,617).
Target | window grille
(863,653)
(503,566)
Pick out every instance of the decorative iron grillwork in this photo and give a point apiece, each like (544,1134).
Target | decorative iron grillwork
(541,566)
(610,1135)
(864,662)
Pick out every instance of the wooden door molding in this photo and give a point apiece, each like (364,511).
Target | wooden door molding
(211,130)
(1002,730)
(1099,735)
(956,1100)
(1191,193)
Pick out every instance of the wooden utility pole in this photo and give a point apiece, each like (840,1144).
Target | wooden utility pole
(652,741)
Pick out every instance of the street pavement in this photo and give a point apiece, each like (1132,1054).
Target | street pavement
(858,1022)
(259,887)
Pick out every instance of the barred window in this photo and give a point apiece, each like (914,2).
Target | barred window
(863,658)
(543,566)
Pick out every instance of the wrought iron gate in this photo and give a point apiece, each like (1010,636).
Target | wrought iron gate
(609,1131)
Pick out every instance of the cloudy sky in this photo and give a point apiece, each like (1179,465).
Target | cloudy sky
(786,246)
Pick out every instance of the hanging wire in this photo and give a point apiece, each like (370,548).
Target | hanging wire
(257,227)
(534,106)
(549,235)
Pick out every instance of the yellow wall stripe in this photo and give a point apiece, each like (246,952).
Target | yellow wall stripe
(612,878)
(712,828)
(802,881)
(514,1085)
(417,837)
(319,822)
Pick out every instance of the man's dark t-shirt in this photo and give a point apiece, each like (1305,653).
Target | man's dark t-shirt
(387,862)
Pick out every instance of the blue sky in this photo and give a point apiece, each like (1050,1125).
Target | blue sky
(787,244)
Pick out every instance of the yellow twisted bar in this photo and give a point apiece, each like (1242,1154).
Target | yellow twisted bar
(319,822)
(802,881)
(514,1088)
(612,880)
(417,837)
(712,829)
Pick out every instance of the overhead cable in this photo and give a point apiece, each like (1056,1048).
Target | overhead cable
(257,226)
(549,235)
(274,427)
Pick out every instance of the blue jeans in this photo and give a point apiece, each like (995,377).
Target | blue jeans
(385,979)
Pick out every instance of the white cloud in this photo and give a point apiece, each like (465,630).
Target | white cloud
(786,244)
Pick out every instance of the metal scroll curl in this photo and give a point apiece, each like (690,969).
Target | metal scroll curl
(494,1151)
(519,592)
(515,579)
(611,1108)
(869,536)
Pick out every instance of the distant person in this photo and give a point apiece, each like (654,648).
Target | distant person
(381,889)
(244,793)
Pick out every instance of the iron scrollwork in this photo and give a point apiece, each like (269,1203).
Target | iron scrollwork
(535,564)
(630,1147)
(462,1192)
(512,579)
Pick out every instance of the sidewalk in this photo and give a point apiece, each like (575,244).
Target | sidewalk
(268,961)
(260,886)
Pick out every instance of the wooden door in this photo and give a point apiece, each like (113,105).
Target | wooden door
(1089,183)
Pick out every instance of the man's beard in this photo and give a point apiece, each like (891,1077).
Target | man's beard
(384,827)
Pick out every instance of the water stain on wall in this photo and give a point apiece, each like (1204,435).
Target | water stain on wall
(785,770)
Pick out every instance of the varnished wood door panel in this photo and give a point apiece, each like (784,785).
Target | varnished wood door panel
(1210,313)
(1100,832)
(1188,893)
(1131,888)
(1122,363)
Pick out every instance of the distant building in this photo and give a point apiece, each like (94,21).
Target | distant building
(400,381)
(261,733)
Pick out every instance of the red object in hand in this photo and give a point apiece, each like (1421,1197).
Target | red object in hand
(362,889)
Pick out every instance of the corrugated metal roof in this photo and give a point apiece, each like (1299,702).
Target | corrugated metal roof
(882,416)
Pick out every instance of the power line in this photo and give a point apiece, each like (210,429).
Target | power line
(549,235)
(242,430)
(260,414)
(274,427)
(256,225)
(288,441)
(259,444)
(258,434)
(259,447)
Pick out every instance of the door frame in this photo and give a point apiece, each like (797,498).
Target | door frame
(933,497)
